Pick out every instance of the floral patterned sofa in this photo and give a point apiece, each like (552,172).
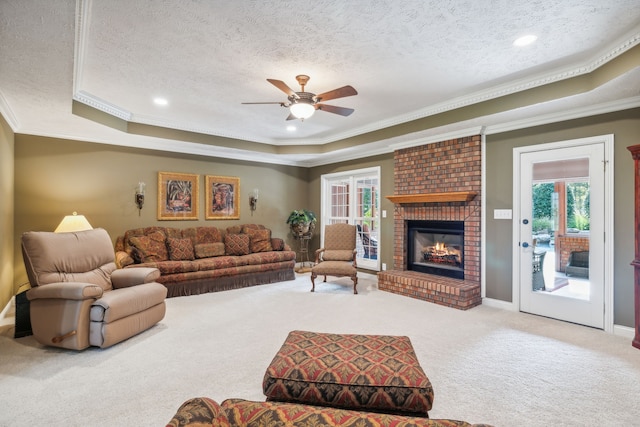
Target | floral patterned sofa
(207,259)
(202,411)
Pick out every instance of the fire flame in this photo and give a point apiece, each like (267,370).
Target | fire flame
(440,246)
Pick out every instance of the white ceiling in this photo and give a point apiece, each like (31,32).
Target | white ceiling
(407,59)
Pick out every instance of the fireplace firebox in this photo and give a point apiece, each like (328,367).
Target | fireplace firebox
(436,247)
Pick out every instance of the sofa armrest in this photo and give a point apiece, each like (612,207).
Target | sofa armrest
(65,290)
(123,259)
(199,411)
(127,277)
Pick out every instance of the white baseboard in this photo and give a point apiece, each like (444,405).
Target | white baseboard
(624,331)
(7,316)
(496,303)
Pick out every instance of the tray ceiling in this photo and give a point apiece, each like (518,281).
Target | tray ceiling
(89,70)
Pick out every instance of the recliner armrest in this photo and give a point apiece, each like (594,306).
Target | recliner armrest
(65,290)
(127,277)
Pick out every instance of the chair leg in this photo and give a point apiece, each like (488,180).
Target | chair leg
(313,282)
(355,283)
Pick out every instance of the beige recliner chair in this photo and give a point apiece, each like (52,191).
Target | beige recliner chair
(79,298)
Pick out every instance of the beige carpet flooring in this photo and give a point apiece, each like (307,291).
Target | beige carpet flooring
(486,364)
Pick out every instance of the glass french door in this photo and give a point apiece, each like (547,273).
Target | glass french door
(561,233)
(354,198)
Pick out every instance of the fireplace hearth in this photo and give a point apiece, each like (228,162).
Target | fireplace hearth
(436,247)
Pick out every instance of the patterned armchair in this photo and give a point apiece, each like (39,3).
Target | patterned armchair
(338,256)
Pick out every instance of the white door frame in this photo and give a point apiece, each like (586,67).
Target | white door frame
(608,217)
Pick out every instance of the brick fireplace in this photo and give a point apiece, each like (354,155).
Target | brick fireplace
(438,182)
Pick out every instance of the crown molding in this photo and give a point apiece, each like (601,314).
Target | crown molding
(101,105)
(576,113)
(7,113)
(83,13)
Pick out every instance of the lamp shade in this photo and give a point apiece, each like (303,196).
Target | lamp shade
(302,109)
(71,223)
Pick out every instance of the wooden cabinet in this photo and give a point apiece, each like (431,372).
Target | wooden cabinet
(635,152)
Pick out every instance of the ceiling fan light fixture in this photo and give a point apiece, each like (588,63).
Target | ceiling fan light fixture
(302,109)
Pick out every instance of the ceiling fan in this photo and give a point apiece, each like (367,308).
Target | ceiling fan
(303,104)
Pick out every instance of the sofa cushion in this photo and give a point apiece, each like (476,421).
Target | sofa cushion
(200,412)
(259,240)
(203,234)
(378,373)
(170,267)
(208,250)
(180,249)
(236,244)
(234,229)
(150,248)
(241,412)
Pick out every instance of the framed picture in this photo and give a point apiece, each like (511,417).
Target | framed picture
(177,196)
(222,197)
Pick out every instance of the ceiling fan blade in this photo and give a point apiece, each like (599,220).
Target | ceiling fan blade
(281,103)
(291,117)
(337,93)
(283,87)
(335,110)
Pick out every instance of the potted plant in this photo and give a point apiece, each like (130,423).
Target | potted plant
(302,222)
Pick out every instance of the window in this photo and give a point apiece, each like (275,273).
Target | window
(353,197)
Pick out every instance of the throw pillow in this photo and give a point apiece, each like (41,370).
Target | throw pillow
(180,249)
(208,250)
(260,240)
(236,244)
(151,248)
(277,244)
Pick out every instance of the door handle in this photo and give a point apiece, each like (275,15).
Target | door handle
(525,244)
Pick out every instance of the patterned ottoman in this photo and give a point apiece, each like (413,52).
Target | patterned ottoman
(377,373)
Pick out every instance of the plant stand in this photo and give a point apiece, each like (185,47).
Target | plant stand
(303,249)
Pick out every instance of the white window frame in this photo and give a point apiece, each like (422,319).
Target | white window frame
(325,206)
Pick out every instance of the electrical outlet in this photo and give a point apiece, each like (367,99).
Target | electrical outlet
(384,214)
(384,266)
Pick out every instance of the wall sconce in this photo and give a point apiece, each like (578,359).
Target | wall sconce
(253,200)
(140,196)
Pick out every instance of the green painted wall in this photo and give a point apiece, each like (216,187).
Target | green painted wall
(55,177)
(7,289)
(625,126)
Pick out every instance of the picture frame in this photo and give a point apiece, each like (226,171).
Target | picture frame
(222,197)
(178,196)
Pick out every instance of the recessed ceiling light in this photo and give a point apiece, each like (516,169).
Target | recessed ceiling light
(525,40)
(160,101)
(291,128)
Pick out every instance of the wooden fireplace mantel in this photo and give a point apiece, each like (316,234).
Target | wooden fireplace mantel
(451,196)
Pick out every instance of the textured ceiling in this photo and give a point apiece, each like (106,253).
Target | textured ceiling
(408,60)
